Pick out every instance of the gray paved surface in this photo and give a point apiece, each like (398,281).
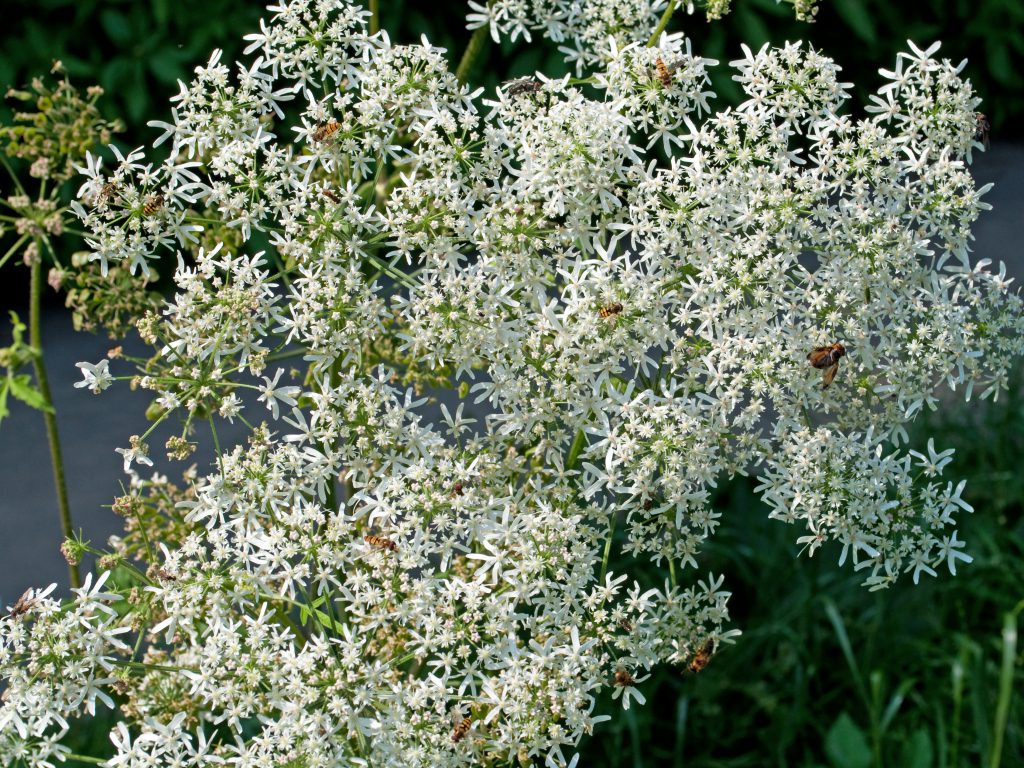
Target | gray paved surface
(93,425)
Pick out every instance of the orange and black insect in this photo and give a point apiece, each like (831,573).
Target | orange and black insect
(323,132)
(663,73)
(330,195)
(981,128)
(380,542)
(827,359)
(610,309)
(152,204)
(461,729)
(703,656)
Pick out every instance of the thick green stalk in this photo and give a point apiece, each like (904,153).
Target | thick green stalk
(662,23)
(49,416)
(476,44)
(374,16)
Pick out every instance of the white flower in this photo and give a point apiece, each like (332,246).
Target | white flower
(97,377)
(137,452)
(273,394)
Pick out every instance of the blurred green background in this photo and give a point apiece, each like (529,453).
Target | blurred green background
(826,674)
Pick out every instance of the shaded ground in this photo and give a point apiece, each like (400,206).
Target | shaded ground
(93,426)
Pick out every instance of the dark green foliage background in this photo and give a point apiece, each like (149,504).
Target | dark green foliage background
(137,50)
(826,674)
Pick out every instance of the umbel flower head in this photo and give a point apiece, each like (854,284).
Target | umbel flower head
(626,284)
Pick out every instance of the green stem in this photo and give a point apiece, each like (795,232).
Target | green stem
(374,16)
(662,23)
(85,759)
(49,415)
(1006,675)
(476,44)
(958,695)
(608,547)
(13,249)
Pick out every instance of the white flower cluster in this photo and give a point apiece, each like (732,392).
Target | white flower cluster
(584,27)
(58,660)
(367,588)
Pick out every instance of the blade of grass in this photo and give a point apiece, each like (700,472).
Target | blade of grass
(839,627)
(1006,671)
(682,710)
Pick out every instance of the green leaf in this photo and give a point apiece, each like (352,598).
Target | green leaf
(894,704)
(137,94)
(161,12)
(917,750)
(22,388)
(755,31)
(165,64)
(116,26)
(846,745)
(844,644)
(1000,64)
(858,18)
(17,328)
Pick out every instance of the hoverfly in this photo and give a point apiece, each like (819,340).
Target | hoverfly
(827,359)
(108,193)
(380,542)
(663,73)
(703,656)
(610,309)
(152,204)
(461,729)
(323,132)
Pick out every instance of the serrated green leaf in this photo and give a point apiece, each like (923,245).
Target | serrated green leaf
(23,389)
(845,744)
